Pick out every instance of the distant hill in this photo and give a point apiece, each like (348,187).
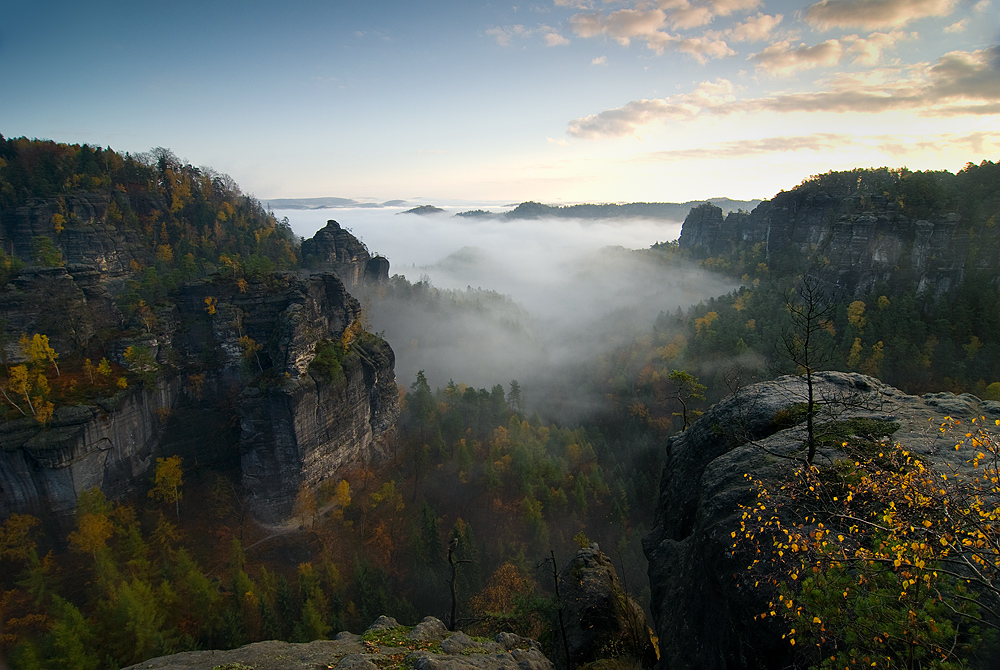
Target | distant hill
(673,211)
(424,210)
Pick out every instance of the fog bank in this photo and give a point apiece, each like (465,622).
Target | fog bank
(534,300)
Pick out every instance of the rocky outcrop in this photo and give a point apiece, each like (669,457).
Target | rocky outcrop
(705,617)
(855,242)
(109,445)
(287,428)
(599,619)
(334,249)
(427,646)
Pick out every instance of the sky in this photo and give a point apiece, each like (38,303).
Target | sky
(558,101)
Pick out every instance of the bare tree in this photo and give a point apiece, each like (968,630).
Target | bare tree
(807,341)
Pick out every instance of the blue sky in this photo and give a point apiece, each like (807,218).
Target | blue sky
(558,100)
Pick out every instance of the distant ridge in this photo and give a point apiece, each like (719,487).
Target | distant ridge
(326,203)
(673,211)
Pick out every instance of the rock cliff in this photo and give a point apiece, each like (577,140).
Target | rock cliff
(292,426)
(705,617)
(856,241)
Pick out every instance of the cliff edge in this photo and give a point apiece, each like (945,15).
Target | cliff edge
(705,615)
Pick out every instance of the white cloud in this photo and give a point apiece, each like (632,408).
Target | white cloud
(782,58)
(755,29)
(600,60)
(874,14)
(957,27)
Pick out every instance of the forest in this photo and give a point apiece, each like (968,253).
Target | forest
(181,564)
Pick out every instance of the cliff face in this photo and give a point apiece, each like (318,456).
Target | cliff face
(213,398)
(705,617)
(109,445)
(88,237)
(293,427)
(855,242)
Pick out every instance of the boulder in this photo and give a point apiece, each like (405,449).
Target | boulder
(598,618)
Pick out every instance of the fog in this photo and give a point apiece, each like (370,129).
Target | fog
(538,301)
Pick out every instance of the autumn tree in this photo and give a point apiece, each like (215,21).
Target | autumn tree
(882,559)
(167,482)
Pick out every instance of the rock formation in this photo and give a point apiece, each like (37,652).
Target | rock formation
(334,249)
(293,426)
(704,617)
(855,242)
(427,646)
(599,618)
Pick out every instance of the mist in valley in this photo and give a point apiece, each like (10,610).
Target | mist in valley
(485,302)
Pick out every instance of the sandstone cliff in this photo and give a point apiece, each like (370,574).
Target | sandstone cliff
(292,426)
(705,616)
(855,240)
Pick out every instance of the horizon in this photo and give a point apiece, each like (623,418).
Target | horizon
(559,101)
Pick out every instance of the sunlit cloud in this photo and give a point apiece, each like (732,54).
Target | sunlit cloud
(957,27)
(622,26)
(868,50)
(897,145)
(600,60)
(874,14)
(755,29)
(781,58)
(958,83)
(630,118)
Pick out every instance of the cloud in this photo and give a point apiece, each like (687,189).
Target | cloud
(554,39)
(727,7)
(682,14)
(958,83)
(690,17)
(628,119)
(600,60)
(505,34)
(781,58)
(957,27)
(754,29)
(868,50)
(623,25)
(768,145)
(874,14)
(900,145)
